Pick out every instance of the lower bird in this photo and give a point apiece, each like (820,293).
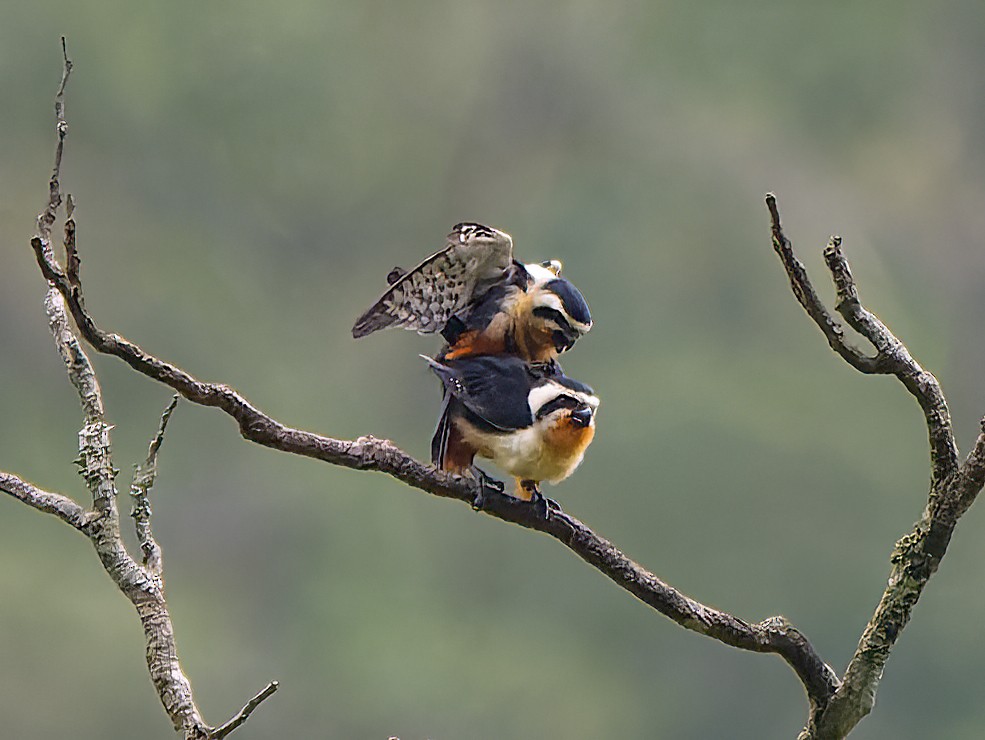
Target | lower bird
(529,419)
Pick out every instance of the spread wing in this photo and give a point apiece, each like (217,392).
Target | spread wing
(494,389)
(474,258)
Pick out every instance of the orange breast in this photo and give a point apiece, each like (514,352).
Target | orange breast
(567,441)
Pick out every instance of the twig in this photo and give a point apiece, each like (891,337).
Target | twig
(47,218)
(893,357)
(805,294)
(143,478)
(244,714)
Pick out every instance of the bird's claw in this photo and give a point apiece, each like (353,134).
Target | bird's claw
(486,482)
(543,506)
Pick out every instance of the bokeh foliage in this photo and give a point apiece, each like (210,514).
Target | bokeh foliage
(246,175)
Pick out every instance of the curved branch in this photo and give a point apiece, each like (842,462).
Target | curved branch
(774,635)
(50,503)
(953,487)
(894,358)
(807,297)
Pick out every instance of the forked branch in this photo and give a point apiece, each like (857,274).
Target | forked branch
(141,584)
(953,487)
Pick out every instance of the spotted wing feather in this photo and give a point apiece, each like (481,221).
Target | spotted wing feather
(475,257)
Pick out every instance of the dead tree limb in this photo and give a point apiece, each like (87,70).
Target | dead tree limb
(953,488)
(143,583)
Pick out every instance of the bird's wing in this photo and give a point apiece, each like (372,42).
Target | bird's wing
(474,258)
(494,389)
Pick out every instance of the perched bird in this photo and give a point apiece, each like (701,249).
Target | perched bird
(532,421)
(483,301)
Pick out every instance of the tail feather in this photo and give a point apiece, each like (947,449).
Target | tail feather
(442,432)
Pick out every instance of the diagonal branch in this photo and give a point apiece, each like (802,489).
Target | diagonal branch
(244,714)
(953,487)
(774,635)
(50,503)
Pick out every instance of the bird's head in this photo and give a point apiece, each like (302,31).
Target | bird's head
(557,307)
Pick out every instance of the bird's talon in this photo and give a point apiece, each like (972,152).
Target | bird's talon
(486,483)
(541,507)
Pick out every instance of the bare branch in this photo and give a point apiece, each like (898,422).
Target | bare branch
(953,489)
(368,453)
(804,291)
(893,357)
(47,217)
(143,478)
(144,588)
(51,503)
(244,714)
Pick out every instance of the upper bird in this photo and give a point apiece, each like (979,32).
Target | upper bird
(482,300)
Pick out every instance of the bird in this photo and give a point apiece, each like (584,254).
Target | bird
(482,300)
(529,419)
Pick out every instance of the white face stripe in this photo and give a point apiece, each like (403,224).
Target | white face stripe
(547,392)
(540,395)
(549,300)
(539,273)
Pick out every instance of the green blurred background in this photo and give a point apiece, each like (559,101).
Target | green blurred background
(246,175)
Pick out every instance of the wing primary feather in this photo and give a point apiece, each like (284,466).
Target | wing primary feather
(424,298)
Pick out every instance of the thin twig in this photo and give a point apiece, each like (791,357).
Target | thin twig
(144,476)
(806,295)
(47,218)
(244,714)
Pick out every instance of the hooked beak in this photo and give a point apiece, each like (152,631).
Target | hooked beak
(582,417)
(562,340)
